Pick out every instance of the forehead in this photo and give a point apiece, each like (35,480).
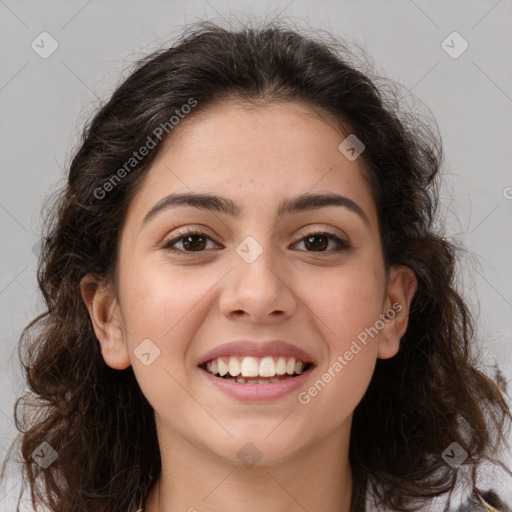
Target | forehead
(256,154)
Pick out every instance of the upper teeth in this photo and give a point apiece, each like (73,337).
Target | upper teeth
(253,367)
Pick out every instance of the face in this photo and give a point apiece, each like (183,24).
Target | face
(194,278)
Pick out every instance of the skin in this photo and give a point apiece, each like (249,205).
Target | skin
(318,301)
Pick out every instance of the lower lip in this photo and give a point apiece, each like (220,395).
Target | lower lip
(254,392)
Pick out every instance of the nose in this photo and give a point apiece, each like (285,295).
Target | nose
(259,291)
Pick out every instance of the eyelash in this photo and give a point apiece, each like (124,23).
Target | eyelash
(342,244)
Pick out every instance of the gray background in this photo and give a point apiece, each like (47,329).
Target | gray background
(45,102)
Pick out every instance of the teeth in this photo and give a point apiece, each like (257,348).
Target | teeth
(281,366)
(223,367)
(267,367)
(234,366)
(249,367)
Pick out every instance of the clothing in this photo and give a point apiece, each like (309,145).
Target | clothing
(492,493)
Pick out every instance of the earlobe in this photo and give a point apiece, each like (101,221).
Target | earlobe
(106,321)
(402,286)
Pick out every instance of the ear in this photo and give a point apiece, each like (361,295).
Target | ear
(402,285)
(106,321)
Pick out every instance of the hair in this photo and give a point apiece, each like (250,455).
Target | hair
(418,402)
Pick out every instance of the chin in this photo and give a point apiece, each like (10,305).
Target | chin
(259,450)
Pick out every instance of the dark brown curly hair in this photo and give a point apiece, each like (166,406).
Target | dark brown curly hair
(418,402)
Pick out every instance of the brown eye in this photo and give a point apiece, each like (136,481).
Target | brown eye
(197,241)
(194,242)
(319,242)
(191,241)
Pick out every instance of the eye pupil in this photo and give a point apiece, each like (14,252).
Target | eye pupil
(187,242)
(317,245)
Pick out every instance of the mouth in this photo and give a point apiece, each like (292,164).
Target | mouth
(256,370)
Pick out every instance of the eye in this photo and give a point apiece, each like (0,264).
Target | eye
(191,240)
(196,241)
(319,241)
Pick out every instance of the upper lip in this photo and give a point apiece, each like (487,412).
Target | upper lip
(256,349)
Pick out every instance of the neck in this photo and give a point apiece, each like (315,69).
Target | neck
(313,479)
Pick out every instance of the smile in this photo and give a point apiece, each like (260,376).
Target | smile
(256,370)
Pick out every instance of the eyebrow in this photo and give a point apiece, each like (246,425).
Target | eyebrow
(227,206)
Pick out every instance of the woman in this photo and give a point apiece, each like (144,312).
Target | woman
(248,303)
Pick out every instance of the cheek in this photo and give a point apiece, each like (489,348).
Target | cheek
(347,305)
(347,301)
(157,300)
(346,371)
(165,306)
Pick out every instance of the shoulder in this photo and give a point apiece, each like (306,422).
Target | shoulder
(492,492)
